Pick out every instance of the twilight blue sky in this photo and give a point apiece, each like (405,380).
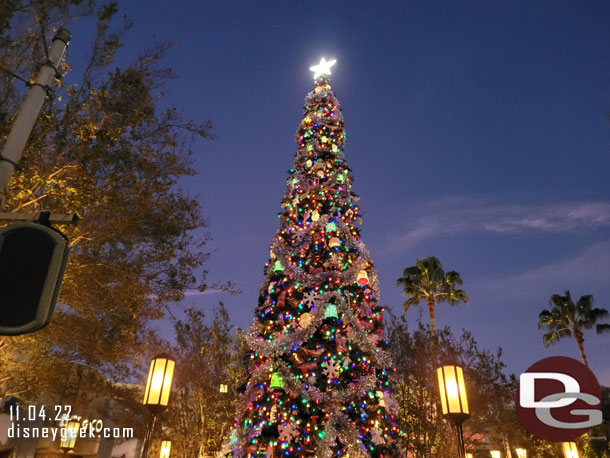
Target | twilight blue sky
(477,133)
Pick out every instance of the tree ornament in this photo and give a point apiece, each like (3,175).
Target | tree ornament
(331,227)
(271,287)
(331,311)
(305,320)
(334,148)
(281,299)
(331,369)
(334,242)
(309,298)
(287,431)
(277,381)
(308,163)
(340,178)
(320,173)
(278,267)
(377,435)
(305,368)
(315,216)
(363,278)
(271,254)
(324,139)
(341,345)
(380,396)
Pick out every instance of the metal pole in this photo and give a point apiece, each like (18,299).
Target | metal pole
(29,111)
(148,436)
(460,440)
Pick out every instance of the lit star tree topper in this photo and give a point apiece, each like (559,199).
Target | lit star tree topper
(323,68)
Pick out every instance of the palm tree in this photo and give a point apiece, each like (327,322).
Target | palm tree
(427,280)
(567,319)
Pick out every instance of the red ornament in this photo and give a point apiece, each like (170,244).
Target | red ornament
(281,300)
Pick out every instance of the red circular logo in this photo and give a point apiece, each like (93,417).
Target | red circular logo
(559,399)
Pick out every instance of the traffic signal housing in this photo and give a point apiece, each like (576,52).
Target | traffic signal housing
(33,258)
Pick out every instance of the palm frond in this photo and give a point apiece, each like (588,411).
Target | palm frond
(411,301)
(602,328)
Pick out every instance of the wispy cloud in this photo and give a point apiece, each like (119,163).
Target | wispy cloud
(583,273)
(202,293)
(461,215)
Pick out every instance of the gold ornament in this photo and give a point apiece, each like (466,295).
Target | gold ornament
(305,320)
(315,216)
(334,242)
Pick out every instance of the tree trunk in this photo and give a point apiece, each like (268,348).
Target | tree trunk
(431,304)
(580,340)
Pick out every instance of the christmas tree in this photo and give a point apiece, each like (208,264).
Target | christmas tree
(318,375)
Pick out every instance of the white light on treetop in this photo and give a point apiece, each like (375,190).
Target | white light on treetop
(323,68)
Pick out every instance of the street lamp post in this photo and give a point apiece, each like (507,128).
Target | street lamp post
(453,400)
(570,450)
(166,446)
(156,394)
(69,440)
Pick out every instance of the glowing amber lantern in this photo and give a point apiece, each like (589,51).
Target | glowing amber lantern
(521,453)
(166,446)
(159,383)
(570,450)
(495,453)
(453,392)
(453,399)
(69,440)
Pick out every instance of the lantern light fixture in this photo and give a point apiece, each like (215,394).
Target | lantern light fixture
(521,453)
(495,453)
(166,446)
(68,441)
(453,392)
(570,450)
(454,402)
(159,383)
(156,393)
